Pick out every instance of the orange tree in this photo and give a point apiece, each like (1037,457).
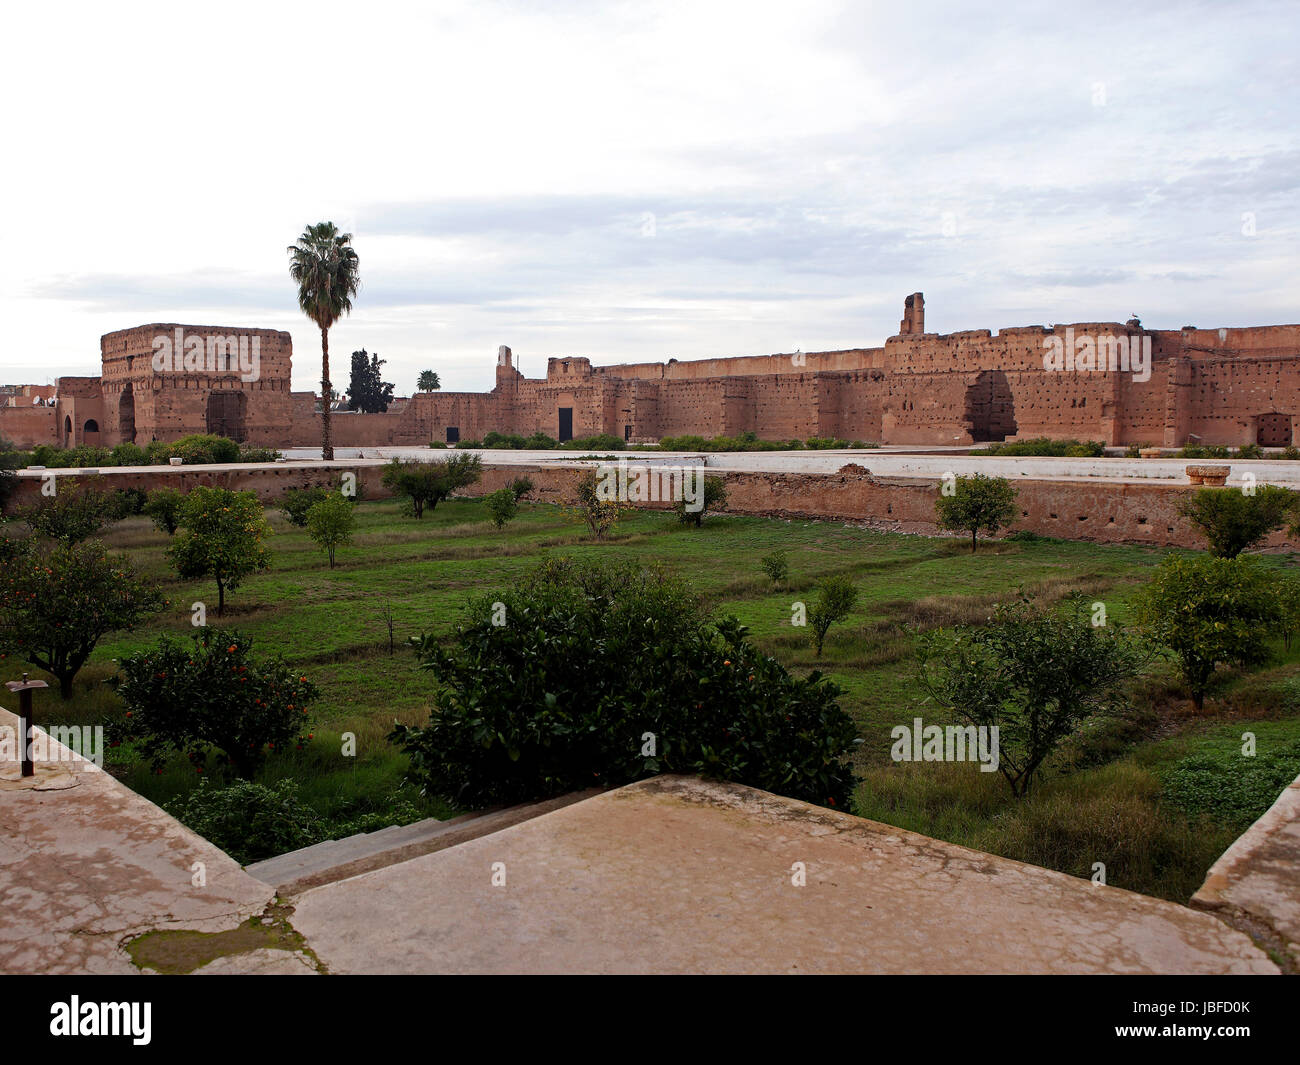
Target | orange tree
(222,535)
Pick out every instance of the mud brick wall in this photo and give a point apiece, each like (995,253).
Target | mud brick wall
(1096,512)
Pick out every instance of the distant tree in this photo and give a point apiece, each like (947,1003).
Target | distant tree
(977,503)
(326,269)
(1210,611)
(74,513)
(1034,674)
(1234,520)
(776,566)
(163,505)
(428,381)
(297,501)
(59,601)
(222,535)
(835,601)
(502,507)
(331,522)
(521,487)
(599,513)
(429,483)
(368,392)
(713,495)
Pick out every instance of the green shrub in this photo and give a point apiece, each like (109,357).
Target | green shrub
(424,484)
(1209,612)
(247,453)
(976,503)
(127,454)
(1291,452)
(1045,446)
(163,505)
(331,523)
(1036,675)
(541,442)
(1230,787)
(1250,451)
(601,441)
(503,440)
(604,674)
(74,513)
(521,487)
(250,821)
(502,506)
(835,600)
(1218,451)
(1232,520)
(223,536)
(1133,451)
(297,501)
(57,602)
(204,448)
(776,566)
(212,694)
(713,496)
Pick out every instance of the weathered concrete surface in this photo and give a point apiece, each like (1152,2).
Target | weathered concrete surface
(84,868)
(678,875)
(1255,884)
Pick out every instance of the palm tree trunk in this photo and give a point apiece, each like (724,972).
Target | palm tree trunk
(326,444)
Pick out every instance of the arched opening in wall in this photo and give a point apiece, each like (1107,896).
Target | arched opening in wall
(990,411)
(90,432)
(1273,430)
(226,414)
(126,414)
(67,430)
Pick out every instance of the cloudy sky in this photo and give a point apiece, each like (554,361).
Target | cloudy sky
(646,180)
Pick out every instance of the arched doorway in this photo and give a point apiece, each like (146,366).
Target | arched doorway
(990,411)
(1273,430)
(226,414)
(67,430)
(90,432)
(126,414)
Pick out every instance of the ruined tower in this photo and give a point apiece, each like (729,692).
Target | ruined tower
(913,315)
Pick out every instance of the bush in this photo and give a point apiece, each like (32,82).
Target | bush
(1191,451)
(330,523)
(203,448)
(1232,520)
(502,506)
(250,821)
(1044,446)
(213,694)
(521,487)
(424,484)
(1230,787)
(599,513)
(835,601)
(503,440)
(604,674)
(976,503)
(74,513)
(257,454)
(601,441)
(127,454)
(297,501)
(713,496)
(1250,451)
(776,566)
(1035,675)
(1210,611)
(163,505)
(541,442)
(222,536)
(1291,452)
(58,602)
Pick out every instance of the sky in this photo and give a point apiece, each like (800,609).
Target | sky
(643,181)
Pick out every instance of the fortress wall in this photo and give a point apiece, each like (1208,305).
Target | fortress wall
(27,426)
(1097,512)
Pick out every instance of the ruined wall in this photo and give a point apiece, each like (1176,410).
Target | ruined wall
(143,403)
(1097,512)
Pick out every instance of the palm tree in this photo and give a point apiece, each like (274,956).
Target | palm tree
(325,266)
(428,381)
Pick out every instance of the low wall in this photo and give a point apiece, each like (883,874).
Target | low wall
(1099,512)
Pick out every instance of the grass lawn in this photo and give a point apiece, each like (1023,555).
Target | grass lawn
(1139,794)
